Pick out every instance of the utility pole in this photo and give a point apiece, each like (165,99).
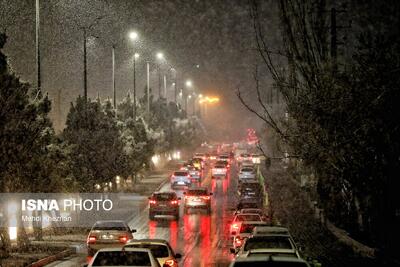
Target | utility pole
(113,78)
(159,81)
(38,81)
(148,87)
(165,87)
(134,86)
(84,66)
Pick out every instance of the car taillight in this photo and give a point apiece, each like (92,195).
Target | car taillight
(238,241)
(170,263)
(91,239)
(174,202)
(152,201)
(123,239)
(206,197)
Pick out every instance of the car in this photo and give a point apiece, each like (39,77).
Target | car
(164,203)
(160,249)
(247,173)
(198,197)
(180,178)
(124,257)
(245,231)
(250,202)
(269,261)
(203,156)
(256,158)
(246,163)
(219,171)
(195,174)
(284,243)
(110,233)
(244,157)
(270,230)
(284,252)
(239,218)
(224,157)
(253,210)
(250,189)
(198,163)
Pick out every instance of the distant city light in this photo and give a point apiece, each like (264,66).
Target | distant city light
(209,100)
(137,55)
(189,83)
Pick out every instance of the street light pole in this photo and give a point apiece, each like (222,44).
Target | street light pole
(113,78)
(84,66)
(165,87)
(39,82)
(134,86)
(148,87)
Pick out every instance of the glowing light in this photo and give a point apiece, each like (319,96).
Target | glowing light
(137,55)
(209,100)
(160,55)
(133,36)
(155,159)
(189,83)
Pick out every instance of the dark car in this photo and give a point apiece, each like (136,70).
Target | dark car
(251,188)
(247,202)
(164,203)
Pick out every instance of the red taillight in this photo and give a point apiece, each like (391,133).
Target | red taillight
(238,241)
(152,201)
(235,226)
(206,197)
(91,239)
(174,202)
(123,239)
(170,263)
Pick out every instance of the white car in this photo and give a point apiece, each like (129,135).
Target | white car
(266,261)
(219,171)
(180,178)
(247,173)
(124,257)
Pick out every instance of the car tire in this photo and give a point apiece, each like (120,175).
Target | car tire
(209,210)
(151,215)
(176,214)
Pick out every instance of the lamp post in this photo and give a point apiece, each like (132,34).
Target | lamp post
(134,36)
(160,56)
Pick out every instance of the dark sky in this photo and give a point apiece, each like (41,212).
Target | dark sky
(214,34)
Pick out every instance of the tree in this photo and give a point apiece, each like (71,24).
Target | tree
(94,139)
(343,114)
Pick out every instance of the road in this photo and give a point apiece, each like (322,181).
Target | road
(201,238)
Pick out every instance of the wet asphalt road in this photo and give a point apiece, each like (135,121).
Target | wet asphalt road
(201,238)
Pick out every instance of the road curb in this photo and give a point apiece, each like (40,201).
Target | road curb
(52,258)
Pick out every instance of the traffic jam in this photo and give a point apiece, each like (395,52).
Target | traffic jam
(219,191)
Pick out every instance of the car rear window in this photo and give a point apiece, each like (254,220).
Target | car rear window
(219,166)
(247,170)
(248,217)
(197,192)
(180,173)
(246,228)
(164,196)
(268,242)
(117,226)
(122,258)
(158,250)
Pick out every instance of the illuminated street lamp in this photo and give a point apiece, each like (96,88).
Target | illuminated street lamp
(133,36)
(189,83)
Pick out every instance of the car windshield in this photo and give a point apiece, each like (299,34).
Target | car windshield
(219,166)
(197,192)
(269,264)
(164,196)
(180,173)
(122,258)
(248,217)
(117,226)
(158,250)
(268,242)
